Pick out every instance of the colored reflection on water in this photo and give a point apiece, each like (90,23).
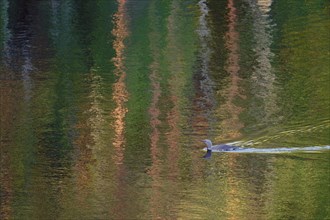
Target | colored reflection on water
(103,106)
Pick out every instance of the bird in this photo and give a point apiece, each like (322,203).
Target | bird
(219,148)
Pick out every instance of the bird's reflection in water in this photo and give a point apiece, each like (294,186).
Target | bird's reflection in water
(208,154)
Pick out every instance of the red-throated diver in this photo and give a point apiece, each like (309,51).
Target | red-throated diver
(220,147)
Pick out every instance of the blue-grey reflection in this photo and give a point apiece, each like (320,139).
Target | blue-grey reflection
(206,84)
(17,47)
(5,32)
(208,154)
(17,55)
(263,77)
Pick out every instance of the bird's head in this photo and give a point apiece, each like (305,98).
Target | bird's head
(208,143)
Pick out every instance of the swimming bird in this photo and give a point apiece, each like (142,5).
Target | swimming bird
(218,148)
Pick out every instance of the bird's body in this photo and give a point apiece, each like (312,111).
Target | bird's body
(224,147)
(220,147)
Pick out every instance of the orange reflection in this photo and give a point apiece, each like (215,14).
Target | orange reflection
(90,140)
(176,81)
(154,136)
(232,125)
(84,159)
(120,94)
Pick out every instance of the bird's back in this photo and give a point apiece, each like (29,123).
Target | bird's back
(224,147)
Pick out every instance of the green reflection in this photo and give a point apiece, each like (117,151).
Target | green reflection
(302,68)
(310,202)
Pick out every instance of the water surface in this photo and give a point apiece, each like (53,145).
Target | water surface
(104,105)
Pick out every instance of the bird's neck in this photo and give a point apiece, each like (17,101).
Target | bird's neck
(208,154)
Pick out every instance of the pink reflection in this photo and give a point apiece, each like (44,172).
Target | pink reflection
(176,81)
(154,136)
(154,112)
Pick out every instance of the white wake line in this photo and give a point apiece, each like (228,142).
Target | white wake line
(277,150)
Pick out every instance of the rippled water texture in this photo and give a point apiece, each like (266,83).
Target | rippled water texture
(104,105)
